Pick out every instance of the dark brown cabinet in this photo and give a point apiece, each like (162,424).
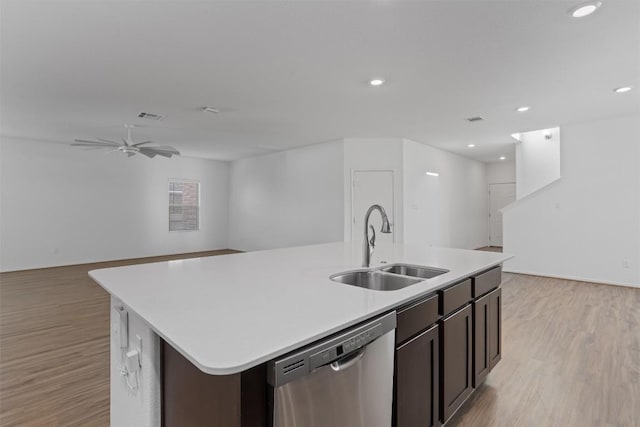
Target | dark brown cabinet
(481,321)
(431,387)
(417,365)
(495,327)
(487,335)
(456,354)
(192,398)
(417,381)
(416,317)
(486,281)
(454,297)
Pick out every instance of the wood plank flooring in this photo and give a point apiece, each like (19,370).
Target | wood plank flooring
(571,353)
(54,345)
(571,357)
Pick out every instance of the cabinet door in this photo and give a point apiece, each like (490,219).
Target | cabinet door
(456,355)
(481,339)
(417,377)
(495,327)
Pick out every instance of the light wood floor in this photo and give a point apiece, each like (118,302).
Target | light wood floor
(54,346)
(571,357)
(571,353)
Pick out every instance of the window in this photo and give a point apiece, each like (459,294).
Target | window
(184,206)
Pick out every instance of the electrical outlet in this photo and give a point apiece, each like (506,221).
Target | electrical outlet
(625,263)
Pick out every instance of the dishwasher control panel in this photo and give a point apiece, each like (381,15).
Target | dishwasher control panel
(345,347)
(302,362)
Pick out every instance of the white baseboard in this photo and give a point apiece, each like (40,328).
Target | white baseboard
(577,279)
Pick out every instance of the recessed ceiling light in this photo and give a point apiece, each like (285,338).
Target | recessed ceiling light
(211,110)
(503,158)
(522,109)
(376,82)
(623,89)
(471,145)
(585,9)
(432,173)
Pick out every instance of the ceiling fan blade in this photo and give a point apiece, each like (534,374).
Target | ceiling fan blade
(83,144)
(164,154)
(154,151)
(164,148)
(141,143)
(108,140)
(91,148)
(149,154)
(87,142)
(129,147)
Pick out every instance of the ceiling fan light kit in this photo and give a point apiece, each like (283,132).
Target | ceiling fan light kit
(128,146)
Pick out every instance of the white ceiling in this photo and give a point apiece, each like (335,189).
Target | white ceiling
(291,73)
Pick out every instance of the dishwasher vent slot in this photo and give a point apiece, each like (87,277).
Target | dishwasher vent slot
(293,366)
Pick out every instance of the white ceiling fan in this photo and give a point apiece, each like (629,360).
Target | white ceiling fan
(128,146)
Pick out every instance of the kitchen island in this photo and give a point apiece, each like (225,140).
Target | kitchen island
(229,315)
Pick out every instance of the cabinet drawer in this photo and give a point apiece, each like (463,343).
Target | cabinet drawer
(455,297)
(485,282)
(416,317)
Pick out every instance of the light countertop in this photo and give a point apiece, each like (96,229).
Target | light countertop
(229,313)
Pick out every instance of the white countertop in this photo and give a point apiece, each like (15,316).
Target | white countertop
(229,313)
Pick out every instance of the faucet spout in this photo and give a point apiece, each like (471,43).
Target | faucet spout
(386,228)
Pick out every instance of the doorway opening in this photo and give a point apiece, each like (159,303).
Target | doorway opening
(500,195)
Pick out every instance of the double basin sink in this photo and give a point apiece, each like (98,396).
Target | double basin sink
(389,277)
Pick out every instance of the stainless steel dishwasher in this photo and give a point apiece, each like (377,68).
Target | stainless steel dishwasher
(345,380)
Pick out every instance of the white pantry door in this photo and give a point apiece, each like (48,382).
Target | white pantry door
(371,187)
(500,195)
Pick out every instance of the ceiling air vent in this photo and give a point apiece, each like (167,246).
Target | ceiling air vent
(150,116)
(475,119)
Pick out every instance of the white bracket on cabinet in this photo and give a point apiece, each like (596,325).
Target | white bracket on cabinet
(124,326)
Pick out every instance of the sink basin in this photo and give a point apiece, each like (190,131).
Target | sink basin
(414,270)
(388,278)
(374,279)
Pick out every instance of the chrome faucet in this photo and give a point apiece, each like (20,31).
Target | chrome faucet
(370,244)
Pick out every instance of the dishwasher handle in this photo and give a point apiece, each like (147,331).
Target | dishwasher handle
(348,361)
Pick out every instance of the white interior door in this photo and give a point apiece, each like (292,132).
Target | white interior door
(371,188)
(500,195)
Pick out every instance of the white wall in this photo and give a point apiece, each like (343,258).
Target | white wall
(586,225)
(448,210)
(374,154)
(289,198)
(537,161)
(62,205)
(501,172)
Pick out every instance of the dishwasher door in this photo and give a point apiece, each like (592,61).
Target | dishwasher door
(344,382)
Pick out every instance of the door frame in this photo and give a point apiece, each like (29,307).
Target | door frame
(392,219)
